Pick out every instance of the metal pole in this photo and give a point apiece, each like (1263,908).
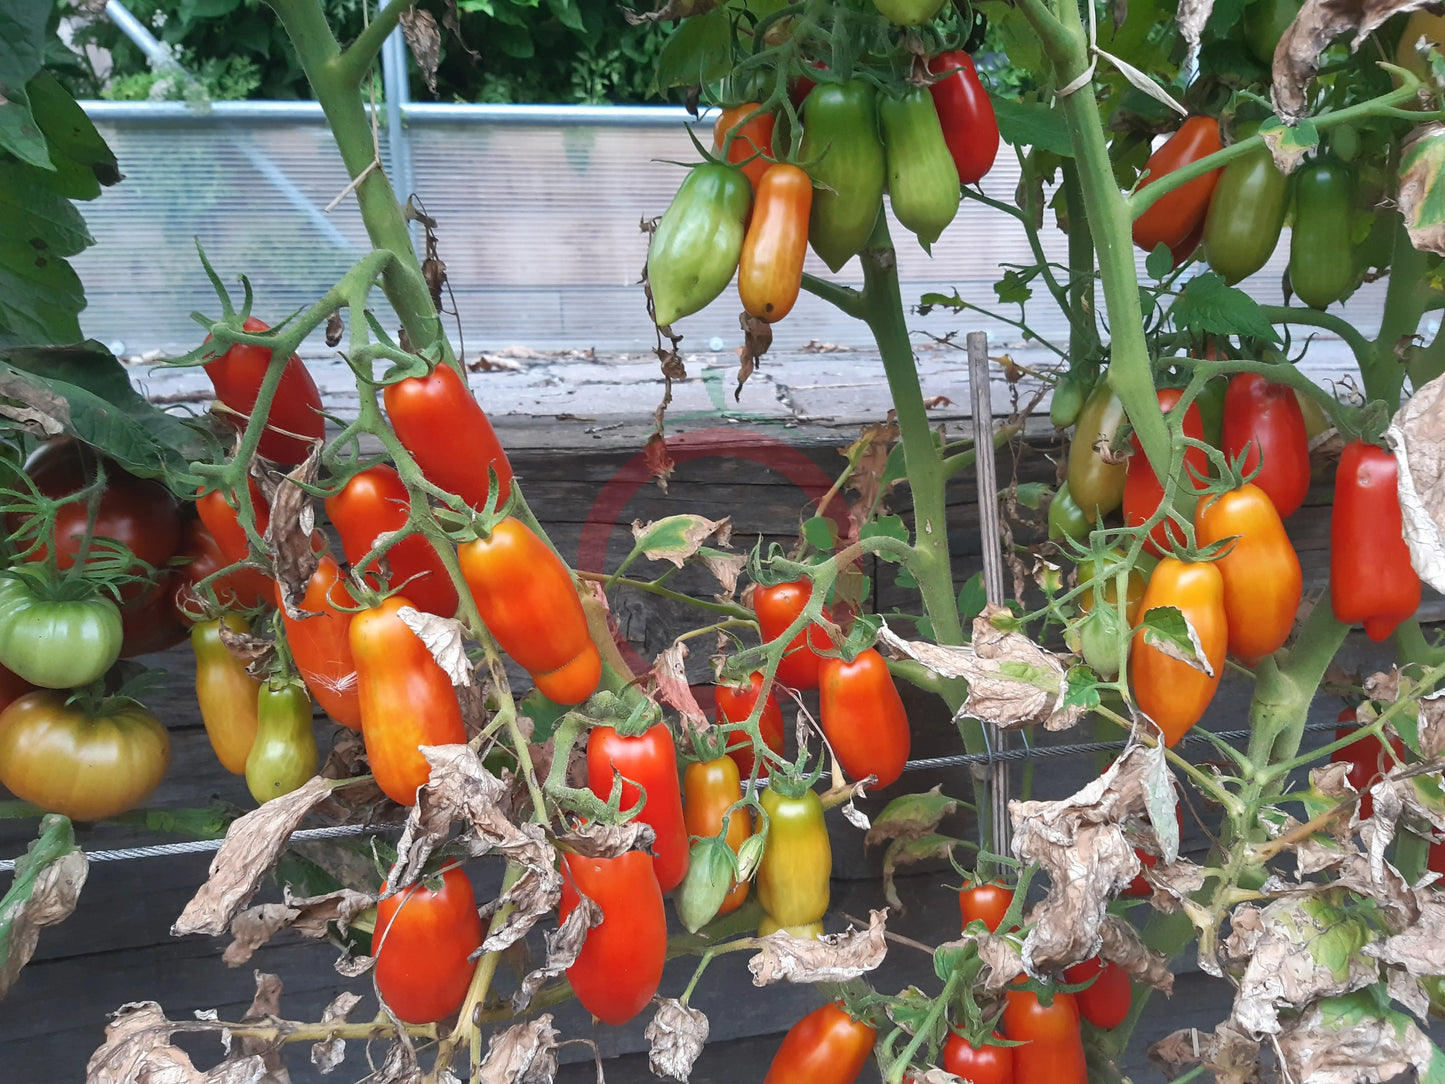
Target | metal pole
(993,585)
(398,97)
(159,56)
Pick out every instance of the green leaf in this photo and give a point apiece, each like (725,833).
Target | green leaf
(972,598)
(947,301)
(1166,629)
(544,713)
(1034,494)
(1422,190)
(40,297)
(22,40)
(83,391)
(674,538)
(885,527)
(83,163)
(19,134)
(911,816)
(1033,124)
(1435,1072)
(821,533)
(1159,263)
(1081,689)
(697,52)
(34,216)
(1207,305)
(52,865)
(568,14)
(1013,288)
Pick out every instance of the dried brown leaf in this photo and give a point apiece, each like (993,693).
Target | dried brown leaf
(309,916)
(757,334)
(608,840)
(293,521)
(677,1034)
(329,1053)
(672,9)
(444,639)
(673,689)
(51,900)
(525,1053)
(727,568)
(1319,22)
(1417,437)
(1121,943)
(1193,14)
(424,39)
(1012,681)
(563,945)
(251,847)
(1233,1058)
(1337,1051)
(676,538)
(138,1050)
(834,957)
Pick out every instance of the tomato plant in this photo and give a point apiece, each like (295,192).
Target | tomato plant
(425,935)
(827,1046)
(618,970)
(83,761)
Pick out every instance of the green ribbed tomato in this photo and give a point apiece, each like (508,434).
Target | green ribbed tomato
(56,642)
(695,248)
(922,179)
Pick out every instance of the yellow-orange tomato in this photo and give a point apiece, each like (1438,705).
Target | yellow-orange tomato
(770,269)
(752,137)
(226,693)
(709,788)
(1262,581)
(1173,693)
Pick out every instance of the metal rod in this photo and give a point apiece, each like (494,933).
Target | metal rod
(413,114)
(988,517)
(160,57)
(398,97)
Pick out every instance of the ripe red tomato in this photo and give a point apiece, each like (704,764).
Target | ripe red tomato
(778,607)
(1143,492)
(321,645)
(407,700)
(966,113)
(770,269)
(863,717)
(1173,693)
(987,1064)
(446,431)
(620,966)
(1262,578)
(151,622)
(986,903)
(648,761)
(375,502)
(221,519)
(296,407)
(1265,418)
(1105,1003)
(422,942)
(825,1047)
(734,704)
(1172,219)
(1371,578)
(528,601)
(755,137)
(1052,1048)
(240,589)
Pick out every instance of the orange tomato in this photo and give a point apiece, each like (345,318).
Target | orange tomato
(752,137)
(1173,693)
(1262,580)
(770,269)
(709,788)
(1174,219)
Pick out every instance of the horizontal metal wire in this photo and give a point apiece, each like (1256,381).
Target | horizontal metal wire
(413,113)
(200,846)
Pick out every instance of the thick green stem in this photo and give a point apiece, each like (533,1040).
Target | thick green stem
(336,84)
(1405,302)
(1083,326)
(1338,325)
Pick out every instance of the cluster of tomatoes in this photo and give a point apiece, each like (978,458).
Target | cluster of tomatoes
(1238,211)
(1243,600)
(754,213)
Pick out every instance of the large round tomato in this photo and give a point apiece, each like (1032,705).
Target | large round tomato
(424,936)
(825,1047)
(620,966)
(84,765)
(56,642)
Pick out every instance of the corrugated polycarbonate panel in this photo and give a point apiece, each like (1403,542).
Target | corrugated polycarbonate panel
(538,225)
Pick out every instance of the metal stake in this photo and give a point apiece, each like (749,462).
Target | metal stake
(993,584)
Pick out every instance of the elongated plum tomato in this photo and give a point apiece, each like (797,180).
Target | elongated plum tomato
(863,717)
(825,1047)
(82,764)
(753,139)
(793,876)
(444,428)
(734,704)
(709,788)
(923,187)
(770,269)
(966,113)
(647,761)
(778,607)
(1246,214)
(1173,693)
(243,588)
(1371,578)
(620,966)
(321,643)
(840,141)
(295,419)
(1052,1049)
(528,601)
(407,700)
(1105,1002)
(1321,255)
(1172,218)
(222,520)
(1143,492)
(375,502)
(695,248)
(226,693)
(1262,578)
(283,755)
(1264,422)
(422,942)
(1096,479)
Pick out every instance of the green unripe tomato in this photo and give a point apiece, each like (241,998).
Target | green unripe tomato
(57,643)
(695,249)
(908,12)
(923,185)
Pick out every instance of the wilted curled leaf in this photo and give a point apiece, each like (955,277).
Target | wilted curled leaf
(329,1053)
(1080,843)
(288,535)
(1420,947)
(903,852)
(677,1034)
(677,538)
(1233,1058)
(138,1048)
(525,1053)
(1319,22)
(835,957)
(912,816)
(1422,189)
(563,945)
(310,916)
(1295,951)
(424,39)
(673,689)
(1121,944)
(1193,14)
(47,884)
(608,840)
(936,1076)
(1348,1040)
(1012,681)
(251,847)
(1417,437)
(443,638)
